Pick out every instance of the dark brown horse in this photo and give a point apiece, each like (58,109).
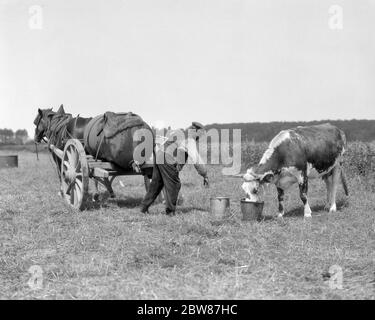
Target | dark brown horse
(69,127)
(58,127)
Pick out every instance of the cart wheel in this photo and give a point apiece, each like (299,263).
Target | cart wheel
(74,174)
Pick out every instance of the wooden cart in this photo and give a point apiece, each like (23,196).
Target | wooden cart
(77,168)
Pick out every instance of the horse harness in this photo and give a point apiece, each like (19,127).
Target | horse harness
(57,131)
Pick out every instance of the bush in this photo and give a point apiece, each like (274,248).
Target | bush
(252,152)
(359,158)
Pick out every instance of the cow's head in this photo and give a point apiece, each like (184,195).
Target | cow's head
(253,181)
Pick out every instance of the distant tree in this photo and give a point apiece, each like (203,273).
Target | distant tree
(21,136)
(355,130)
(6,136)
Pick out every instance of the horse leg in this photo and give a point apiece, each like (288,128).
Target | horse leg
(108,185)
(57,161)
(95,196)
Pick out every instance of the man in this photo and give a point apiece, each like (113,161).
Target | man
(169,160)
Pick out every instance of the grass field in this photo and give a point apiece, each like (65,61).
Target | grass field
(112,251)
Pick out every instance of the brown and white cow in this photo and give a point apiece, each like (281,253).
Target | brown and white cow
(295,155)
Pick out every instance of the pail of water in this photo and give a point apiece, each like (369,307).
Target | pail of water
(219,206)
(8,161)
(251,210)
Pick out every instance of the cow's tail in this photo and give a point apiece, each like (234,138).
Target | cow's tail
(343,175)
(344,181)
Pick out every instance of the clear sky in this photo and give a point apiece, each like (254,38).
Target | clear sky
(177,61)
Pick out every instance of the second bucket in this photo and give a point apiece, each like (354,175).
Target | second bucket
(219,206)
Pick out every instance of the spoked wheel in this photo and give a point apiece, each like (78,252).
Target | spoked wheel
(74,174)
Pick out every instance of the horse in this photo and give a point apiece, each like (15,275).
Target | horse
(58,127)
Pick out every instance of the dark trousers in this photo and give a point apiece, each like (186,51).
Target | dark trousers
(164,175)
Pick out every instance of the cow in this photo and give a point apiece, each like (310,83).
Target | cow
(296,155)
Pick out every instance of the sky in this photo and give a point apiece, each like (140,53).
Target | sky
(177,61)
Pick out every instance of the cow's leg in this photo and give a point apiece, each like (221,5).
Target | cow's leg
(303,188)
(336,171)
(280,197)
(328,181)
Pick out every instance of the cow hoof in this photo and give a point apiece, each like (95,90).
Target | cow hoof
(307,216)
(333,208)
(112,195)
(95,197)
(307,211)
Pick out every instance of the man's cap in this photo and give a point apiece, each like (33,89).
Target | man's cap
(197,125)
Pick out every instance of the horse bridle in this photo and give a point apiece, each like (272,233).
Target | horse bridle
(42,132)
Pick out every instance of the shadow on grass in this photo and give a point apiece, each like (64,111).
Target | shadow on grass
(189,184)
(190,208)
(129,202)
(267,217)
(298,212)
(95,205)
(105,202)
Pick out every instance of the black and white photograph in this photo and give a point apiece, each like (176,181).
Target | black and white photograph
(198,151)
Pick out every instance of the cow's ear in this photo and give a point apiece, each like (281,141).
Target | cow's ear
(267,178)
(40,112)
(249,176)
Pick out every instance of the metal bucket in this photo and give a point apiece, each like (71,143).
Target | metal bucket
(251,210)
(8,161)
(219,206)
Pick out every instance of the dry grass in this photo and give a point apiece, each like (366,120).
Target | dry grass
(112,251)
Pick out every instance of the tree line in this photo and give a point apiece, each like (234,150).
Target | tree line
(355,130)
(8,136)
